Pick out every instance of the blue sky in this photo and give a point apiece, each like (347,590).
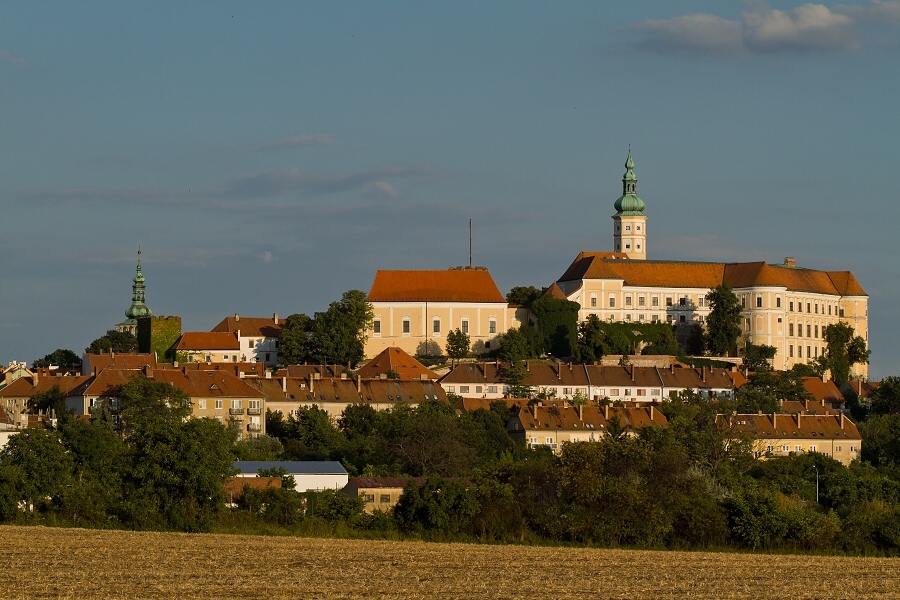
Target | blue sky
(270,156)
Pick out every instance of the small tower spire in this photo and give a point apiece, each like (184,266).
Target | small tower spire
(138,293)
(630,222)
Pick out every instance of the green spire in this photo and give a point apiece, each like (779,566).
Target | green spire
(629,203)
(138,308)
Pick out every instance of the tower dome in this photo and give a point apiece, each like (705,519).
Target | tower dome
(138,289)
(629,203)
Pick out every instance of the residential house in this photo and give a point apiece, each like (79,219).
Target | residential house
(560,423)
(257,336)
(210,347)
(793,434)
(91,364)
(14,397)
(379,493)
(309,475)
(393,361)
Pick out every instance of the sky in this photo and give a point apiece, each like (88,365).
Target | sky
(269,156)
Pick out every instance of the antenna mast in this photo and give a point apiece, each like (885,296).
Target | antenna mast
(470,243)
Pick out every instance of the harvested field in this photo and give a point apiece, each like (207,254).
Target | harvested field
(42,562)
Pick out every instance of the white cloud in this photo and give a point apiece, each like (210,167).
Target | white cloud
(764,30)
(267,257)
(382,189)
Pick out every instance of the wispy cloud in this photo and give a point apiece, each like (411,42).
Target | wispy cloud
(297,141)
(307,183)
(248,191)
(9,57)
(810,28)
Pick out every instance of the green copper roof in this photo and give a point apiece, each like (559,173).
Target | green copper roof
(138,308)
(629,203)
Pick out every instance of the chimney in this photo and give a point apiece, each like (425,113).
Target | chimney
(652,414)
(581,412)
(237,317)
(275,318)
(632,372)
(570,367)
(358,384)
(148,371)
(843,420)
(268,374)
(312,390)
(527,366)
(672,367)
(284,385)
(534,408)
(798,415)
(789,261)
(774,421)
(703,374)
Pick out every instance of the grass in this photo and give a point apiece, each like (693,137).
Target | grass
(39,562)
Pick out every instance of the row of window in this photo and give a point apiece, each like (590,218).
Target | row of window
(654,301)
(812,331)
(811,351)
(812,448)
(405,326)
(236,404)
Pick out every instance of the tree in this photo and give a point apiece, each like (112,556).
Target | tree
(885,400)
(514,346)
(114,341)
(723,325)
(557,322)
(843,350)
(696,341)
(294,344)
(757,357)
(339,336)
(52,400)
(591,340)
(438,504)
(523,295)
(457,345)
(45,466)
(62,358)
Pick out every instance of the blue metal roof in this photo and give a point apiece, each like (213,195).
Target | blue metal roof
(300,467)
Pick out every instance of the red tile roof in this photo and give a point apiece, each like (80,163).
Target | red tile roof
(204,340)
(797,426)
(269,327)
(653,273)
(454,285)
(396,360)
(589,418)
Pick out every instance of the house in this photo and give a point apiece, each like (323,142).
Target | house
(91,364)
(257,336)
(415,310)
(824,392)
(14,397)
(616,383)
(235,486)
(379,493)
(210,347)
(783,305)
(792,434)
(394,360)
(309,475)
(289,394)
(560,423)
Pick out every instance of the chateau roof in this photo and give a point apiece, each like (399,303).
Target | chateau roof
(453,285)
(657,273)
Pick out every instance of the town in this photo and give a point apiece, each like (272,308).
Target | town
(734,371)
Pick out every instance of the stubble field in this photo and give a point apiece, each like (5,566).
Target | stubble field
(41,562)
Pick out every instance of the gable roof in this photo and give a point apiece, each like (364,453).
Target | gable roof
(453,285)
(269,327)
(396,360)
(204,340)
(657,273)
(795,426)
(586,418)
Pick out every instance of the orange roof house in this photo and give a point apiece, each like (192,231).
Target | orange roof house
(416,310)
(258,336)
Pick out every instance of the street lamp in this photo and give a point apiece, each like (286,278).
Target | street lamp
(816,467)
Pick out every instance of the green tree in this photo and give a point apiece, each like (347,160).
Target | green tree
(757,356)
(695,344)
(514,346)
(523,295)
(63,358)
(557,323)
(294,342)
(436,505)
(723,325)
(591,340)
(339,336)
(261,447)
(843,350)
(885,400)
(114,341)
(457,345)
(51,400)
(45,466)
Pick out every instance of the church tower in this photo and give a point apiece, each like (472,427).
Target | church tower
(138,308)
(630,222)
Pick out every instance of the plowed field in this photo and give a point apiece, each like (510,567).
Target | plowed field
(76,563)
